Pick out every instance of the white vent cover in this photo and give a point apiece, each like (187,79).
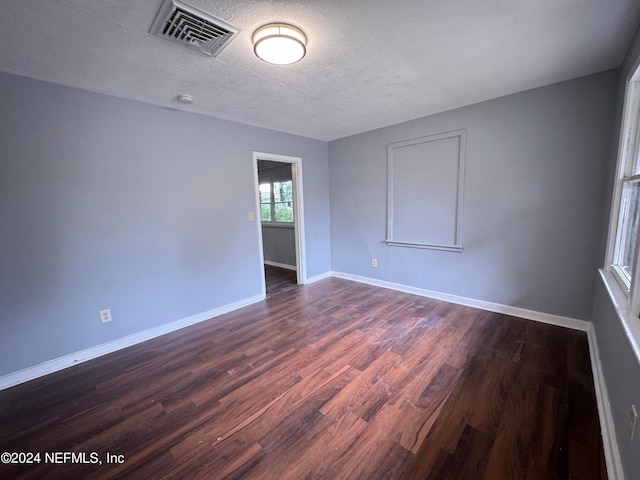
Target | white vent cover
(193,28)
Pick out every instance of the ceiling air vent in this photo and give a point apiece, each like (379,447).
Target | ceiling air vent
(193,28)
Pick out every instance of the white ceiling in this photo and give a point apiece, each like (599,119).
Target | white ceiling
(369,63)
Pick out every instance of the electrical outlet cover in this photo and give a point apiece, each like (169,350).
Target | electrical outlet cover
(105,315)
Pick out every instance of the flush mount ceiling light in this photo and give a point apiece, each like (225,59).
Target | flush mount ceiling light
(279,43)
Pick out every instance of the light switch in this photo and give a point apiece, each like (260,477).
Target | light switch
(105,315)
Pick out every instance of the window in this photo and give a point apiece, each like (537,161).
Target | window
(623,247)
(265,201)
(276,202)
(627,232)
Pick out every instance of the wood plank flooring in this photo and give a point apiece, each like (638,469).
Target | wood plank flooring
(335,380)
(279,279)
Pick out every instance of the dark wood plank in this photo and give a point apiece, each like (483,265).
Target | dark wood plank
(279,279)
(334,380)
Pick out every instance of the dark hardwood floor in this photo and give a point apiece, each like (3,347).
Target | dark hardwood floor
(279,279)
(334,380)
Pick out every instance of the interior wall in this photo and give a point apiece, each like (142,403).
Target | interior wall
(533,199)
(279,241)
(621,372)
(110,203)
(619,363)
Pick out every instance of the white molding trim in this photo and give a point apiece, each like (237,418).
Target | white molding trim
(391,239)
(66,361)
(280,265)
(446,248)
(317,278)
(567,322)
(298,212)
(258,220)
(607,427)
(620,303)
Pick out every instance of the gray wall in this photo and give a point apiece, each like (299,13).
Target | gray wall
(279,241)
(279,245)
(622,376)
(619,363)
(109,203)
(533,203)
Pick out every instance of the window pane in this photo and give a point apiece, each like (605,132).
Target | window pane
(284,212)
(283,191)
(633,158)
(265,192)
(628,228)
(636,163)
(265,212)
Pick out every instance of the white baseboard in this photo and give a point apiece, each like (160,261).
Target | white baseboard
(66,361)
(558,320)
(280,265)
(607,428)
(317,278)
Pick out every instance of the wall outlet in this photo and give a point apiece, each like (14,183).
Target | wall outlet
(105,315)
(633,422)
(374,262)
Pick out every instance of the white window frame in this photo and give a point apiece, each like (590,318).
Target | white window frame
(629,145)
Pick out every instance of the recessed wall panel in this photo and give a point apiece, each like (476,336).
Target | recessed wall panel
(425,191)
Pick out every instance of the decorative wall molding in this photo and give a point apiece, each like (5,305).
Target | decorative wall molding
(66,361)
(441,162)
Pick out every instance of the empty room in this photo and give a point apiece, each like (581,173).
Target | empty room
(320,240)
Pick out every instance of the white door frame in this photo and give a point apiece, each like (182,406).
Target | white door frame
(298,212)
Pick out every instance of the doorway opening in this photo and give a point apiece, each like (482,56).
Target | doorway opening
(281,220)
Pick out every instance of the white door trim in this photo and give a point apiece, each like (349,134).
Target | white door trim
(298,212)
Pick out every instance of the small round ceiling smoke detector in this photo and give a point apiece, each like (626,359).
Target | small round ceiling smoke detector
(279,43)
(186,99)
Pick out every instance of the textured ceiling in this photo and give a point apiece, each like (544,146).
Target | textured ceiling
(369,63)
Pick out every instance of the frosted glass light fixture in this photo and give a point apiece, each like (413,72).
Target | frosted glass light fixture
(279,43)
